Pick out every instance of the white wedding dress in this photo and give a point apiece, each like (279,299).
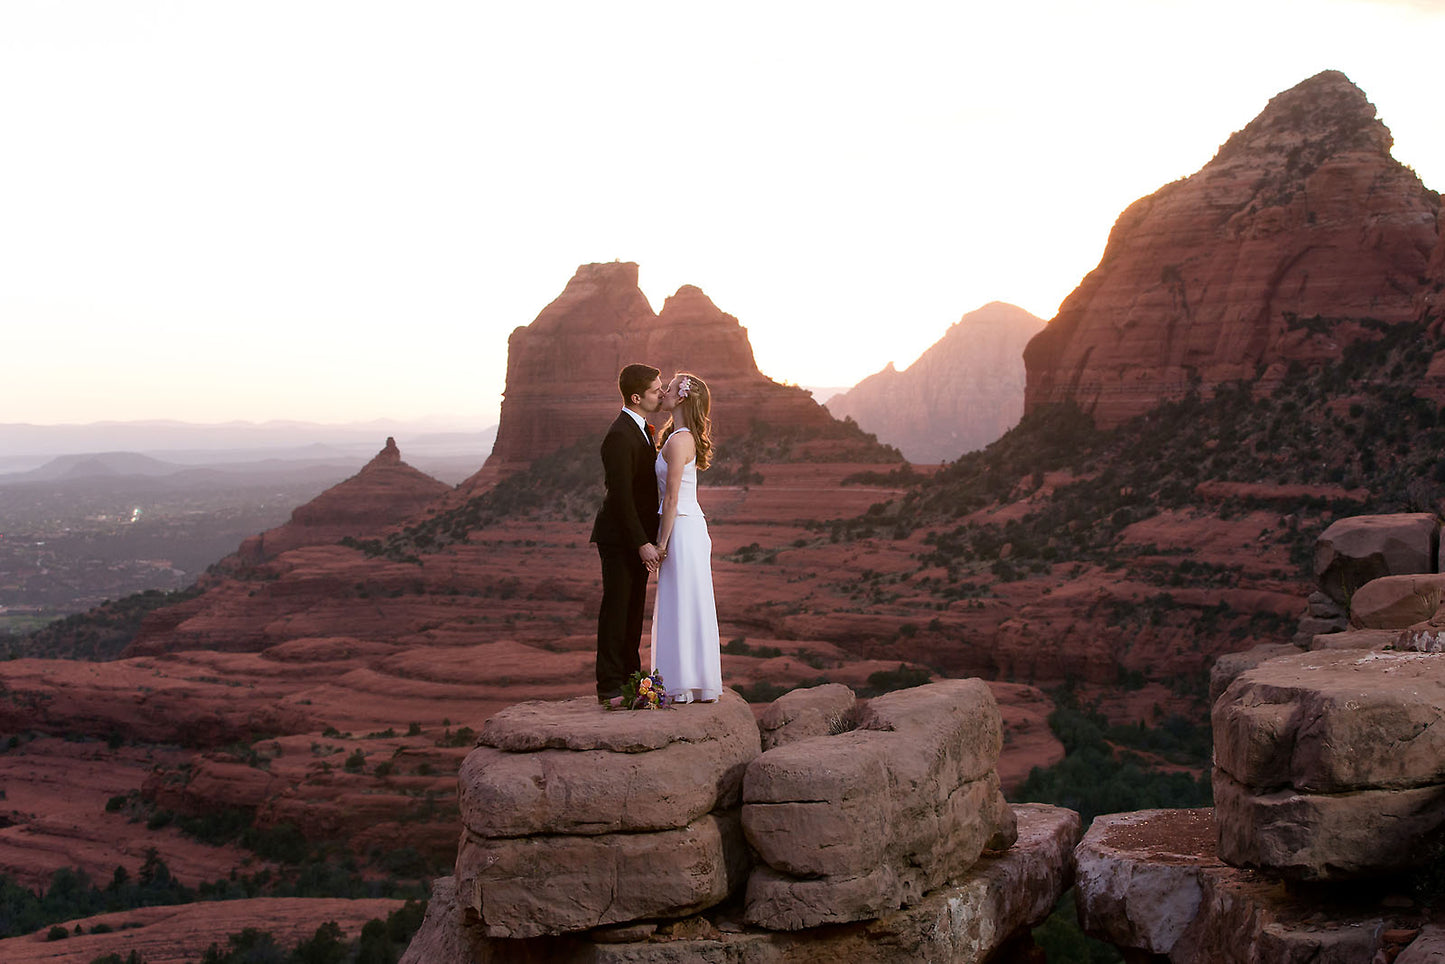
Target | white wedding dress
(684,615)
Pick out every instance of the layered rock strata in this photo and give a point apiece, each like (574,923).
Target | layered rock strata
(964,392)
(1300,234)
(575,817)
(1152,884)
(857,825)
(590,835)
(1301,787)
(562,368)
(967,921)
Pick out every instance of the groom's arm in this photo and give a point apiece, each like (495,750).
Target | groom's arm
(617,468)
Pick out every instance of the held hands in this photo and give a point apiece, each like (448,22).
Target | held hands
(652,556)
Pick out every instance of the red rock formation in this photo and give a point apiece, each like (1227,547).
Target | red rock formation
(1220,276)
(385,492)
(562,368)
(960,395)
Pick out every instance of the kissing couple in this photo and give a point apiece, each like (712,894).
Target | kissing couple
(651,522)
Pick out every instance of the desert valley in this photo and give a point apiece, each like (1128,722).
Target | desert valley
(1090,515)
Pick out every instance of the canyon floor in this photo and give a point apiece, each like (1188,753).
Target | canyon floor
(363,676)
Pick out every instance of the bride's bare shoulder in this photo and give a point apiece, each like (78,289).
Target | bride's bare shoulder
(679,443)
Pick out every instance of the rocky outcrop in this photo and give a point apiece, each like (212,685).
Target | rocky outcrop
(1275,251)
(562,368)
(577,818)
(588,833)
(857,825)
(1302,785)
(386,492)
(1151,883)
(970,921)
(961,394)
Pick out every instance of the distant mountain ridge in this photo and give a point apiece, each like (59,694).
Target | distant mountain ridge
(961,394)
(25,447)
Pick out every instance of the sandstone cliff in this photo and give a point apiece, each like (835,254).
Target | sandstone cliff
(1301,225)
(562,368)
(960,395)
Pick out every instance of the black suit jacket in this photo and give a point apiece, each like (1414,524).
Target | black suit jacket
(628,516)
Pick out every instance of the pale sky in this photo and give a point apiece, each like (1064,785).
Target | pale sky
(339,211)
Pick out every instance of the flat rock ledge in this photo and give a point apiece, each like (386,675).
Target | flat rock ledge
(1152,884)
(1330,765)
(964,922)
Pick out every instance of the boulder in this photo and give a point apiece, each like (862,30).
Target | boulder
(575,816)
(1316,722)
(1152,884)
(1311,626)
(855,826)
(1302,785)
(966,921)
(445,935)
(807,712)
(1397,602)
(1428,946)
(1137,876)
(528,886)
(1321,606)
(1357,549)
(1329,836)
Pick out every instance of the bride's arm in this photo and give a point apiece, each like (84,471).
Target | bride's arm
(677,453)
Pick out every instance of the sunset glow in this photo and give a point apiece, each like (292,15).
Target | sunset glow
(339,211)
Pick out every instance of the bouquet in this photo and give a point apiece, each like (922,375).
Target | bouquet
(644,691)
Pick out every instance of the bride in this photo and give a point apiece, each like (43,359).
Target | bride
(684,616)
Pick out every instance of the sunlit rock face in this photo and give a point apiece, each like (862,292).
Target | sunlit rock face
(1301,226)
(960,395)
(562,368)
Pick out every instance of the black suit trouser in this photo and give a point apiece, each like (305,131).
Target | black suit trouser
(619,618)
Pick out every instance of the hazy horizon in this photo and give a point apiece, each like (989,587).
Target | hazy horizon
(337,212)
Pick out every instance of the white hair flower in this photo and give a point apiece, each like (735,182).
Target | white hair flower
(684,387)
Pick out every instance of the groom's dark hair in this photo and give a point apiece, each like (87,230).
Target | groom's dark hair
(635,380)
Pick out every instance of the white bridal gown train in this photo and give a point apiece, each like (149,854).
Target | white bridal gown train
(684,614)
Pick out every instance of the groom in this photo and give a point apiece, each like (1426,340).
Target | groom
(625,529)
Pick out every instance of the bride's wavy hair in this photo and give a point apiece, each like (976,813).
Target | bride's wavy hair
(697,405)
